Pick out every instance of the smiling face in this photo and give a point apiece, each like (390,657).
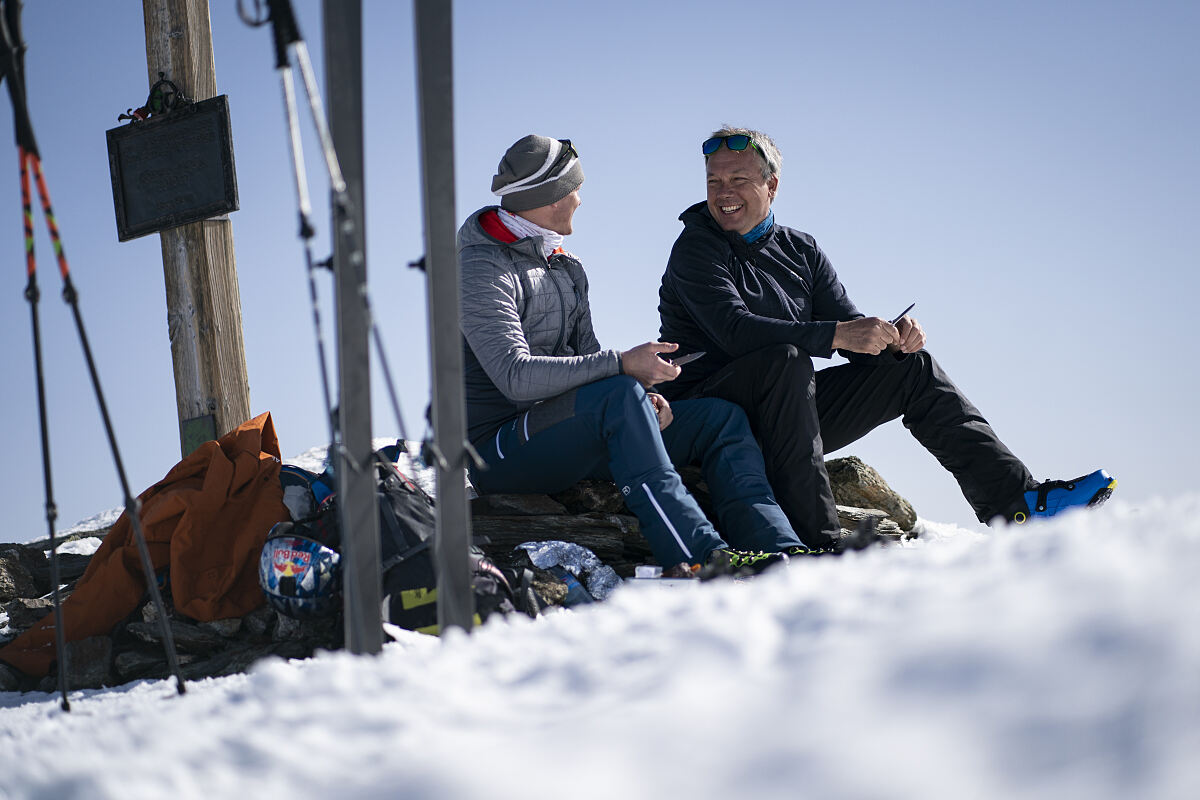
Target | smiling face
(738,196)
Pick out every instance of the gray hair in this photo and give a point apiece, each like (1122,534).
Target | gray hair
(764,146)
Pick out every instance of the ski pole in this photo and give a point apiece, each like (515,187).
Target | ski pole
(11,61)
(286,37)
(132,504)
(11,58)
(33,295)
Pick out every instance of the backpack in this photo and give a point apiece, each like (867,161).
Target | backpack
(407,522)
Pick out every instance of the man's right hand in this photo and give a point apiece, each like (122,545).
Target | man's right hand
(870,335)
(643,363)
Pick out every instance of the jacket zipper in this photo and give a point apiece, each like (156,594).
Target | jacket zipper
(562,305)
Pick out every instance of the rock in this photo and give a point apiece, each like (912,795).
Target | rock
(24,613)
(10,679)
(598,519)
(88,662)
(515,505)
(133,665)
(226,628)
(236,656)
(150,610)
(70,567)
(16,580)
(188,638)
(260,621)
(590,495)
(849,518)
(551,591)
(286,628)
(231,661)
(35,565)
(315,632)
(854,483)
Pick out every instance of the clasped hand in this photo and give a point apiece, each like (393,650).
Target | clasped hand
(872,335)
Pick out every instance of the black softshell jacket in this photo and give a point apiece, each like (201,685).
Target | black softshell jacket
(729,298)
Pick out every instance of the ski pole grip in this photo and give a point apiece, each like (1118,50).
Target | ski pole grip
(284,28)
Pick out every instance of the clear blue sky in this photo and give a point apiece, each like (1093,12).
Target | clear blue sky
(1027,172)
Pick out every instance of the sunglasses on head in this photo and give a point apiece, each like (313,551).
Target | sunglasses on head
(565,154)
(734,141)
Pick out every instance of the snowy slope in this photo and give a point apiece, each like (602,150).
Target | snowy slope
(1059,660)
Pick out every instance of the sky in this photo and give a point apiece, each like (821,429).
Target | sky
(1056,663)
(1025,172)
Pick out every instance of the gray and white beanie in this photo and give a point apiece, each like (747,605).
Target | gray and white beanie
(536,172)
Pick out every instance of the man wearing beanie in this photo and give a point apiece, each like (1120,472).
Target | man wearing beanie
(546,406)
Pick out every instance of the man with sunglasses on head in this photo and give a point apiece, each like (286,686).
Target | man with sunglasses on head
(762,299)
(546,406)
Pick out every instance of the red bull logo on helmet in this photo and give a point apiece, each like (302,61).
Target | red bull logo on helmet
(291,562)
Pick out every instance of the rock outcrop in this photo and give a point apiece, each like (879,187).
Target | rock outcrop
(857,485)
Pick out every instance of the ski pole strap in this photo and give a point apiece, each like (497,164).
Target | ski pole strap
(12,66)
(283,25)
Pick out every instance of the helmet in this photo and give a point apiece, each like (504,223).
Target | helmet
(300,575)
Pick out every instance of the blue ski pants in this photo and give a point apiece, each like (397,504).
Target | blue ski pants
(608,430)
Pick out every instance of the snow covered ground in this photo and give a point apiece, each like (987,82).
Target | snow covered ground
(1057,660)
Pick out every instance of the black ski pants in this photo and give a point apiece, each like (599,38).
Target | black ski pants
(798,414)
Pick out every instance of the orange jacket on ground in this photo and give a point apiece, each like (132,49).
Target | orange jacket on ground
(207,519)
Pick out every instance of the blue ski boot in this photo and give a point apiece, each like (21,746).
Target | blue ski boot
(1051,497)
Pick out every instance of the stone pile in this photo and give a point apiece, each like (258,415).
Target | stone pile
(590,513)
(133,649)
(593,514)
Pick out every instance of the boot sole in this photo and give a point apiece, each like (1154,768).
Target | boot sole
(1103,494)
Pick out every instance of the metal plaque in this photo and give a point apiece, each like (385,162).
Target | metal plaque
(173,169)
(196,431)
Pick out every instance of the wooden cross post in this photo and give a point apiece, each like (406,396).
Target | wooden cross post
(204,307)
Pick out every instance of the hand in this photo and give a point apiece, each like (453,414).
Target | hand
(870,335)
(912,335)
(662,409)
(643,363)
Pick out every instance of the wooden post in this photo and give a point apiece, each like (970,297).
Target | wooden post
(204,307)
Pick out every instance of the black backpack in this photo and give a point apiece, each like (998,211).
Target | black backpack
(407,523)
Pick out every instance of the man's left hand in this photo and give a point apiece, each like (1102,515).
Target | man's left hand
(662,408)
(912,336)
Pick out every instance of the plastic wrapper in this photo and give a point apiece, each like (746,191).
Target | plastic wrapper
(599,578)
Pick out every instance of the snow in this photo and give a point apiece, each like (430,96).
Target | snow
(97,522)
(1055,660)
(84,547)
(315,460)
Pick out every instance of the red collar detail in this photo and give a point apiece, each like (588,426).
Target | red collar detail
(493,226)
